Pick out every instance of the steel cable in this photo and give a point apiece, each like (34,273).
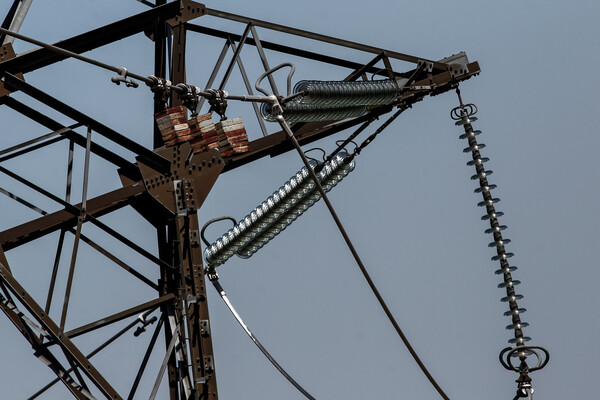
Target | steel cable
(359,262)
(214,279)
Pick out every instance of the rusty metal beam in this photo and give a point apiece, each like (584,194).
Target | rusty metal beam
(39,58)
(14,82)
(42,119)
(318,37)
(119,316)
(310,55)
(64,219)
(71,351)
(41,352)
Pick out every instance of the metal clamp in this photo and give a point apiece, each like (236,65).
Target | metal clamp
(218,102)
(122,77)
(145,322)
(189,96)
(160,86)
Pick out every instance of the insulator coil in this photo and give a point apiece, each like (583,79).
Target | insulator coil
(344,94)
(277,212)
(294,112)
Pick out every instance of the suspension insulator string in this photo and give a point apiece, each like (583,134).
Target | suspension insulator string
(350,245)
(464,116)
(214,278)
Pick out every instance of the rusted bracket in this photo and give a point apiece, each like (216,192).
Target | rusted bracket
(201,170)
(6,53)
(189,10)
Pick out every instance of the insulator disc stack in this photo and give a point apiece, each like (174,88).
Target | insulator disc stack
(277,212)
(464,117)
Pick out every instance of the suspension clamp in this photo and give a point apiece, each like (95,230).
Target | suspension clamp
(218,102)
(160,86)
(189,97)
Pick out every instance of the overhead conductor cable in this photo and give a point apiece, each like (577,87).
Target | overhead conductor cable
(214,278)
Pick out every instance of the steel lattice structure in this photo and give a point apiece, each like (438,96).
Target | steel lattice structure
(166,186)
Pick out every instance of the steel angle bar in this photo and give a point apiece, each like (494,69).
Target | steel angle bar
(157,161)
(310,55)
(70,134)
(41,352)
(128,242)
(52,222)
(318,37)
(80,219)
(22,201)
(9,18)
(144,363)
(39,58)
(213,74)
(17,21)
(38,189)
(62,340)
(169,352)
(87,240)
(149,305)
(263,59)
(363,69)
(248,85)
(235,57)
(90,355)
(117,261)
(33,148)
(61,238)
(19,146)
(52,285)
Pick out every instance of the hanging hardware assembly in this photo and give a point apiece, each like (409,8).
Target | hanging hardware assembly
(313,172)
(464,116)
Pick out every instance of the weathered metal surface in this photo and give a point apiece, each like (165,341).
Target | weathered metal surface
(97,206)
(7,53)
(39,58)
(202,169)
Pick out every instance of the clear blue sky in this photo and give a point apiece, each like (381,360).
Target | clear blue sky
(409,207)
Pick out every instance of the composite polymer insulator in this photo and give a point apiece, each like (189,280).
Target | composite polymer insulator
(296,112)
(345,94)
(464,117)
(277,212)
